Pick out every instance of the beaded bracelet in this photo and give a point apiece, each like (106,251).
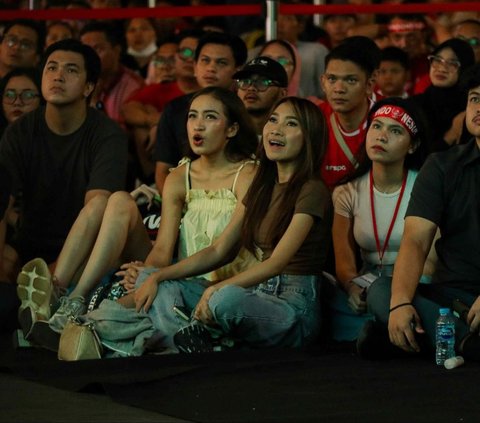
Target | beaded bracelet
(400,305)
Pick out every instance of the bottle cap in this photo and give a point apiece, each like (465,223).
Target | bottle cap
(444,311)
(451,363)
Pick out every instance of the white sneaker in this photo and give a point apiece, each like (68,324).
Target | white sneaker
(36,293)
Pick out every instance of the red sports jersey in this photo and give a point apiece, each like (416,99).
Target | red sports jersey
(336,165)
(157,95)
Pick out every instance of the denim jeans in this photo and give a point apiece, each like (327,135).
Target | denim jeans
(428,299)
(283,311)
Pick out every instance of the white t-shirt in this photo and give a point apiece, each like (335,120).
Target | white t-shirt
(352,200)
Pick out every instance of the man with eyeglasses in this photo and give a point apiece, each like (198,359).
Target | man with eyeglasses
(217,57)
(469,31)
(260,84)
(143,109)
(162,65)
(21,45)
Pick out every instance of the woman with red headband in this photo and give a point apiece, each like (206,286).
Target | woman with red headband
(369,208)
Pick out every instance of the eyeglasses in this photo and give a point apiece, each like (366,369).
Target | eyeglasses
(474,41)
(12,41)
(259,84)
(27,96)
(451,65)
(164,61)
(186,53)
(283,61)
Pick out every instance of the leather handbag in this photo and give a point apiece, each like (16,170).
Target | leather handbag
(79,341)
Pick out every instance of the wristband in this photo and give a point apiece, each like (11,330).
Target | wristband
(400,305)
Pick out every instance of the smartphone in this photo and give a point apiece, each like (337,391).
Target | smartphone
(182,312)
(460,309)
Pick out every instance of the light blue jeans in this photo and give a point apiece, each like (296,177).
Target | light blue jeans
(282,312)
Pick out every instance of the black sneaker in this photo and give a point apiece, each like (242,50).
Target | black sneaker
(194,339)
(470,347)
(44,336)
(26,319)
(373,342)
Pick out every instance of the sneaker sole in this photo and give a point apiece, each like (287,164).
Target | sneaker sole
(34,287)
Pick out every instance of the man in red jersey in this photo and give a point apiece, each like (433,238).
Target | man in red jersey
(409,32)
(348,82)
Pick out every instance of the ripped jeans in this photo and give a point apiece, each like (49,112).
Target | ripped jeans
(281,312)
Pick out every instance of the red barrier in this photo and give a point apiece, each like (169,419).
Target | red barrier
(233,10)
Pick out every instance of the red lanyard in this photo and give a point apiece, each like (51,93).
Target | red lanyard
(381,251)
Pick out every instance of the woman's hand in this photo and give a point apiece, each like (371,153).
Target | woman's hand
(202,310)
(357,298)
(130,272)
(145,294)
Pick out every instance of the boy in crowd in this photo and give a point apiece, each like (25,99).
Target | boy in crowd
(348,83)
(393,73)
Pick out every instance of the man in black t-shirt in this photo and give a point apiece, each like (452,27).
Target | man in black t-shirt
(63,157)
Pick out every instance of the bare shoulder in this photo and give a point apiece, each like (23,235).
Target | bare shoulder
(245,178)
(175,182)
(248,171)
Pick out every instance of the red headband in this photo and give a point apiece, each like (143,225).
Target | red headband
(400,115)
(406,27)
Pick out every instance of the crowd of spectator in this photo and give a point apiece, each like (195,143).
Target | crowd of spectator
(363,131)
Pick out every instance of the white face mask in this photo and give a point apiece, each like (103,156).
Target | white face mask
(147,51)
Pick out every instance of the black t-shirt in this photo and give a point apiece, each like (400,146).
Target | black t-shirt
(172,138)
(447,193)
(53,173)
(5,190)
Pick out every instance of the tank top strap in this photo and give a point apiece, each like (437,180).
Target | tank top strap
(238,172)
(188,182)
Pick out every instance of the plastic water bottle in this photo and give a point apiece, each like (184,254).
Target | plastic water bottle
(445,337)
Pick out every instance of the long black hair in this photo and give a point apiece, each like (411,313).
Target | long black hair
(257,200)
(421,140)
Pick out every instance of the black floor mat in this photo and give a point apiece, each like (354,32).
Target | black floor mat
(321,385)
